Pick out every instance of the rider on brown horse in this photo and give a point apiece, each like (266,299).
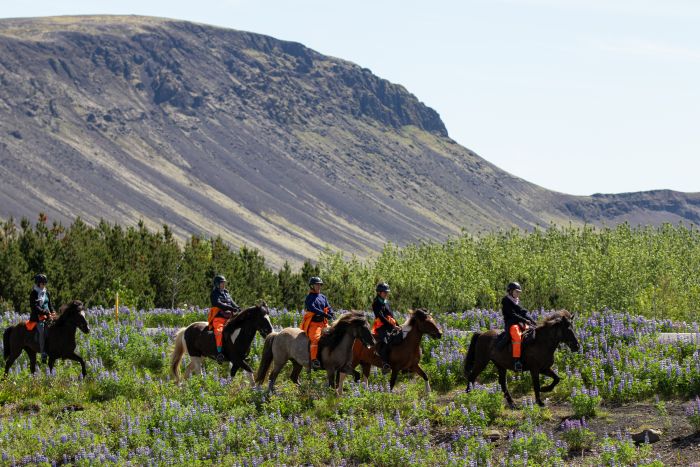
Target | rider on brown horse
(384,323)
(41,310)
(222,308)
(317,312)
(516,320)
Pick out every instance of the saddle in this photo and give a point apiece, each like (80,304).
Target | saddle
(503,339)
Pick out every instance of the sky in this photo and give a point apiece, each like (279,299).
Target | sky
(577,96)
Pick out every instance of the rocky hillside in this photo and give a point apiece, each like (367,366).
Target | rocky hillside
(261,141)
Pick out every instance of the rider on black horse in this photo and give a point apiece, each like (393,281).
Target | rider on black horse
(516,320)
(222,308)
(384,323)
(41,310)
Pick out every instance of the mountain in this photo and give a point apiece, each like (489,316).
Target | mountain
(262,141)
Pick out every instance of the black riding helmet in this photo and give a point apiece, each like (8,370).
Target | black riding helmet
(382,287)
(315,280)
(40,278)
(514,286)
(218,280)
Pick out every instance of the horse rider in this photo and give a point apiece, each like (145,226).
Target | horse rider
(516,320)
(41,310)
(222,308)
(317,312)
(384,323)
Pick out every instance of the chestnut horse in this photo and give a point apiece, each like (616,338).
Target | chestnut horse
(60,338)
(538,356)
(404,356)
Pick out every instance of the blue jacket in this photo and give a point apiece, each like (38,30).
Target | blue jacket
(222,299)
(317,303)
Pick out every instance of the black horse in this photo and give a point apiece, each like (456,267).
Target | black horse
(60,338)
(198,341)
(538,356)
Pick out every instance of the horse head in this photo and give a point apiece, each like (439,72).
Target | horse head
(261,315)
(256,317)
(352,323)
(564,323)
(74,313)
(425,323)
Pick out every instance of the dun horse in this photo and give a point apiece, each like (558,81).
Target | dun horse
(404,356)
(538,356)
(60,338)
(198,341)
(334,348)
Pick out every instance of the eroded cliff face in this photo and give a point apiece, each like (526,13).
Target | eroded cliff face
(258,140)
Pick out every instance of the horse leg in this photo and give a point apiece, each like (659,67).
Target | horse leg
(417,369)
(32,360)
(77,358)
(535,374)
(234,369)
(341,379)
(394,375)
(194,365)
(504,386)
(52,362)
(549,372)
(10,360)
(296,371)
(476,371)
(276,369)
(331,378)
(247,369)
(366,367)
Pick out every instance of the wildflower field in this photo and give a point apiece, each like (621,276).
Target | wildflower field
(127,411)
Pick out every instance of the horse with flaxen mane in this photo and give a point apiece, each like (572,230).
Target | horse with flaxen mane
(334,349)
(538,356)
(403,356)
(239,331)
(60,338)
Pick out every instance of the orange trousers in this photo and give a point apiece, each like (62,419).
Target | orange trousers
(516,335)
(217,325)
(313,332)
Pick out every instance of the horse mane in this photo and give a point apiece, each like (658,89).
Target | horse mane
(67,309)
(243,315)
(556,318)
(418,314)
(332,335)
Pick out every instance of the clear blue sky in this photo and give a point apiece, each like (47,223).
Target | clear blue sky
(579,96)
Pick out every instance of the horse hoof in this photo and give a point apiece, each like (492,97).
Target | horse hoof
(540,403)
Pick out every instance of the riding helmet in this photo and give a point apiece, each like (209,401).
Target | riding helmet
(383,287)
(39,278)
(218,280)
(514,286)
(315,280)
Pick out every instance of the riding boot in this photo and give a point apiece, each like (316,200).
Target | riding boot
(42,340)
(384,355)
(517,364)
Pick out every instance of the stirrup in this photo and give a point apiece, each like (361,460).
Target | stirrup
(220,358)
(316,364)
(386,368)
(517,365)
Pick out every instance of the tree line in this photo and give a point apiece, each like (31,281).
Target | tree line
(653,271)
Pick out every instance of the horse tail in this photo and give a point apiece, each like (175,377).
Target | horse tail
(178,352)
(6,342)
(471,355)
(266,358)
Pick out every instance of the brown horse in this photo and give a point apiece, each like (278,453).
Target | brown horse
(538,356)
(334,348)
(239,331)
(60,338)
(404,356)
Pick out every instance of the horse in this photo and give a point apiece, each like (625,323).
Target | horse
(59,343)
(538,356)
(404,356)
(334,348)
(198,341)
